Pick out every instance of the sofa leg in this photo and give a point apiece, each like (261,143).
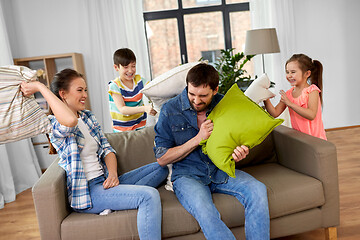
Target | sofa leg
(330,233)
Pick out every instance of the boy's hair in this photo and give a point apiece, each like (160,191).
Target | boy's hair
(124,57)
(203,74)
(305,64)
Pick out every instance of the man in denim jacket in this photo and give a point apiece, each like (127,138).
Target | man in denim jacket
(181,126)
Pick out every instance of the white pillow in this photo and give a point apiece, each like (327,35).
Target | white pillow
(258,90)
(20,117)
(167,85)
(169,184)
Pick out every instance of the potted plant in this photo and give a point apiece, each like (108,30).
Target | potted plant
(231,70)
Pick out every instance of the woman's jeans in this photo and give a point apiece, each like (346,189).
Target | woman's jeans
(135,191)
(196,199)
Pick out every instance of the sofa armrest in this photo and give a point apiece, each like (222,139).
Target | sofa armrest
(314,157)
(50,200)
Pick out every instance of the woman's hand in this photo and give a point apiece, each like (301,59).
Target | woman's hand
(240,152)
(111,181)
(29,88)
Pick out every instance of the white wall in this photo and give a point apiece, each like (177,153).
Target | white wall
(329,30)
(47,27)
(93,28)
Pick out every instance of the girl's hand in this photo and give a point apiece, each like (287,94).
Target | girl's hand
(284,98)
(240,152)
(29,88)
(111,181)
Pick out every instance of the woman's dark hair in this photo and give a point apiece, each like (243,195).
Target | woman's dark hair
(203,74)
(316,68)
(124,57)
(61,81)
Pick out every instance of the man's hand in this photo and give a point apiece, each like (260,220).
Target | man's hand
(206,129)
(111,181)
(240,152)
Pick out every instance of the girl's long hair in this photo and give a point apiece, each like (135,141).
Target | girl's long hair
(316,68)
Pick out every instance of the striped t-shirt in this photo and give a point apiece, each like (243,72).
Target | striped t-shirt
(132,98)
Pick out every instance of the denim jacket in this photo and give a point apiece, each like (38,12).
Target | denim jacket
(176,125)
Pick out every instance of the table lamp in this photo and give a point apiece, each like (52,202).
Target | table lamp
(261,41)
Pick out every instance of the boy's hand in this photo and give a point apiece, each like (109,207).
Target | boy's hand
(149,110)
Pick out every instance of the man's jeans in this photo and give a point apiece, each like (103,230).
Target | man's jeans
(136,191)
(196,199)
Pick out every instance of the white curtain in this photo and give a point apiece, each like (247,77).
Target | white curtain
(277,14)
(108,26)
(19,166)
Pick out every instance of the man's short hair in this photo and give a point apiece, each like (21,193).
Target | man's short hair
(124,56)
(203,74)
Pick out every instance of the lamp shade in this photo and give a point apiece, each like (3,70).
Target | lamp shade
(260,41)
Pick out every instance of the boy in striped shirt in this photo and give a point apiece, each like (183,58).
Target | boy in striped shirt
(125,99)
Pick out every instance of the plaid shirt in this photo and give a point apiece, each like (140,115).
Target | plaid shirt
(69,142)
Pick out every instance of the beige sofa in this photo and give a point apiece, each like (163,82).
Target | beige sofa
(300,173)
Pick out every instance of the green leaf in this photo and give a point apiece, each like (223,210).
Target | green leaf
(230,67)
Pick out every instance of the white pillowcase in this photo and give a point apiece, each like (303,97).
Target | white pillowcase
(258,90)
(167,85)
(20,117)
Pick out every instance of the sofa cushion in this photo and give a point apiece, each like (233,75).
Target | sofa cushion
(176,221)
(285,193)
(262,153)
(116,225)
(133,148)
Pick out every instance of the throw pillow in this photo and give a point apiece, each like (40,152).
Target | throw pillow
(258,90)
(167,85)
(237,121)
(20,117)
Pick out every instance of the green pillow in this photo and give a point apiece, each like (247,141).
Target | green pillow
(237,121)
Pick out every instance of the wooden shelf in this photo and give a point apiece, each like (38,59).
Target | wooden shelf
(49,65)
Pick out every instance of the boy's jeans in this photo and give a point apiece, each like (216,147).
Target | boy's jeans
(135,191)
(196,199)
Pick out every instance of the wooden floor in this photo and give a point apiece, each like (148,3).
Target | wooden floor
(18,219)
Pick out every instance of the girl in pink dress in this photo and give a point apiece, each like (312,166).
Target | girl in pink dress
(304,97)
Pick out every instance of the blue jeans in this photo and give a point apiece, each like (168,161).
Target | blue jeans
(135,191)
(196,199)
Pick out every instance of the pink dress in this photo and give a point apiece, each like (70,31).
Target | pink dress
(312,127)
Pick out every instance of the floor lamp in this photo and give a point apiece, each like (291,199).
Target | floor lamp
(261,41)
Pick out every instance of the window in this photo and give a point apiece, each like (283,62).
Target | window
(211,56)
(181,31)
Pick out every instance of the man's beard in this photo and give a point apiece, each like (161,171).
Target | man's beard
(202,106)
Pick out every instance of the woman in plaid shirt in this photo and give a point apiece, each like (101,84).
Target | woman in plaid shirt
(89,161)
